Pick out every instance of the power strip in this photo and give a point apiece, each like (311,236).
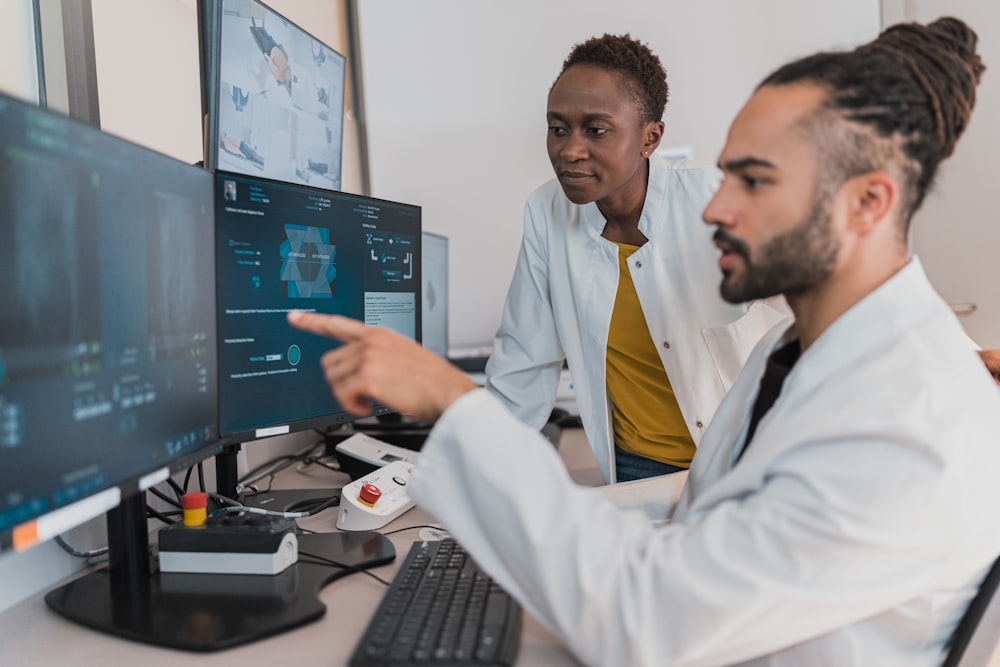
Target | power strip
(362,454)
(375,499)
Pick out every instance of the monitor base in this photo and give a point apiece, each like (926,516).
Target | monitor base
(210,612)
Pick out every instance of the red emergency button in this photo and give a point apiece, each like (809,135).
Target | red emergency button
(369,494)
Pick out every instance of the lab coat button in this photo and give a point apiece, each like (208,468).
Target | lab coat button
(638,264)
(699,424)
(666,345)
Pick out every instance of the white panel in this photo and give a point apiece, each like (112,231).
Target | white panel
(957,232)
(148,76)
(19,74)
(455,96)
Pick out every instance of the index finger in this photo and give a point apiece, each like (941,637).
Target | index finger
(334,326)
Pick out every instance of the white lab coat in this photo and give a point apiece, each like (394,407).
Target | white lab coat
(563,292)
(853,531)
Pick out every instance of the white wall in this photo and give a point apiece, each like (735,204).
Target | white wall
(148,81)
(18,76)
(455,96)
(957,232)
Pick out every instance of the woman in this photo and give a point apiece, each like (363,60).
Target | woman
(617,275)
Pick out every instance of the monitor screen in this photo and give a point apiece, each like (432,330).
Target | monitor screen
(434,288)
(107,320)
(282,247)
(274,96)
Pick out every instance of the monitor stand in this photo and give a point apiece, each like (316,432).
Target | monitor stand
(130,598)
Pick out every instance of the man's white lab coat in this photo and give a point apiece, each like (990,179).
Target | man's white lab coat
(853,531)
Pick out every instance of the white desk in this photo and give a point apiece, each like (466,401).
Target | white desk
(31,634)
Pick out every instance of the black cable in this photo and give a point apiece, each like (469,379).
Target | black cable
(249,476)
(76,553)
(223,500)
(329,502)
(273,467)
(156,514)
(316,460)
(164,497)
(177,489)
(353,568)
(423,525)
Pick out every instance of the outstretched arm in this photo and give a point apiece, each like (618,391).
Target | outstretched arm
(376,363)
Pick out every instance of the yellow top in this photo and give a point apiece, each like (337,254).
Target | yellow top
(645,417)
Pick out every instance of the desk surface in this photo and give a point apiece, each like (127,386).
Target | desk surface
(31,634)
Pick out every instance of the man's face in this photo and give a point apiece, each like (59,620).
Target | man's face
(774,227)
(595,139)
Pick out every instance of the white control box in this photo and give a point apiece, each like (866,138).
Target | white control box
(361,454)
(375,499)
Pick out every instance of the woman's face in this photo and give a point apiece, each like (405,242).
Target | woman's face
(595,138)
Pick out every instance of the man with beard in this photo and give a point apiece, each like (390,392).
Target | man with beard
(841,508)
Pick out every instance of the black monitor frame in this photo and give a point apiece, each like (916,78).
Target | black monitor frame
(265,209)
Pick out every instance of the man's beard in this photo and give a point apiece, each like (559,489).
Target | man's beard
(790,263)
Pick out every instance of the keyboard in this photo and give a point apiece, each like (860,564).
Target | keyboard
(441,609)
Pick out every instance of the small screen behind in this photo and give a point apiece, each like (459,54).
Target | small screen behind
(434,266)
(285,247)
(107,316)
(279,99)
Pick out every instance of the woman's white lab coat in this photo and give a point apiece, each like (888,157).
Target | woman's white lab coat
(563,292)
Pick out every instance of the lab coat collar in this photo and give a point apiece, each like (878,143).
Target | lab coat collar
(651,219)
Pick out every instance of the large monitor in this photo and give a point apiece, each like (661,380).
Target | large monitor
(434,265)
(283,247)
(273,96)
(107,320)
(107,339)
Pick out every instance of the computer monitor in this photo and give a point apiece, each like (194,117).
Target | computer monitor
(281,247)
(272,95)
(107,334)
(434,288)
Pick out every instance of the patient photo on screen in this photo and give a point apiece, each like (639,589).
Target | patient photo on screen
(281,99)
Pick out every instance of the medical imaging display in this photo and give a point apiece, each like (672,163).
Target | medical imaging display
(107,312)
(279,99)
(282,247)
